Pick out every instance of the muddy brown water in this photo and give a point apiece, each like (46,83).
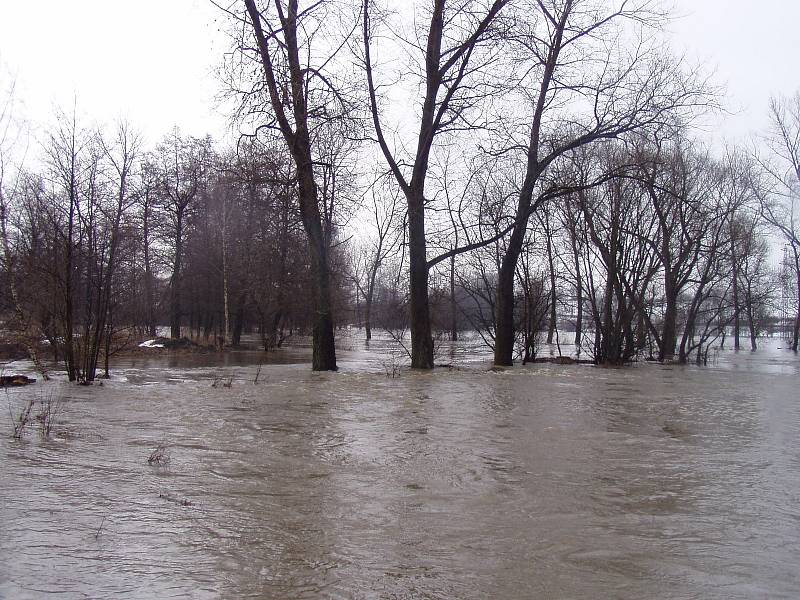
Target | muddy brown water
(541,481)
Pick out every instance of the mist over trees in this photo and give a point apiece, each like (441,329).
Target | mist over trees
(517,168)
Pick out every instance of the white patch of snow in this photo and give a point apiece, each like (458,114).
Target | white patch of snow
(150,344)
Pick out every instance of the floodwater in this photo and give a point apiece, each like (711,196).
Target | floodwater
(541,481)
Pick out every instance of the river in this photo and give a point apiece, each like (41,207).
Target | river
(542,481)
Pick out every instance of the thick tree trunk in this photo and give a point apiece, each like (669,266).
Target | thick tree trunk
(453,306)
(238,322)
(609,341)
(669,333)
(504,317)
(421,338)
(323,344)
(367,323)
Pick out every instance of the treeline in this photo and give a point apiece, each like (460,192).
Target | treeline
(510,166)
(107,241)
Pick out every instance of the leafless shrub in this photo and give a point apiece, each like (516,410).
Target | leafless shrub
(49,407)
(398,335)
(100,529)
(21,420)
(159,457)
(392,365)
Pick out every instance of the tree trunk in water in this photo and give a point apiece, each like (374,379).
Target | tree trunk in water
(669,335)
(753,343)
(324,351)
(323,356)
(453,307)
(373,274)
(238,323)
(368,317)
(298,142)
(796,332)
(421,338)
(735,282)
(578,297)
(504,325)
(551,326)
(608,341)
(69,348)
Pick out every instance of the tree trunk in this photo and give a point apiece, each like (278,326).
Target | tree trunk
(175,281)
(578,296)
(238,322)
(148,273)
(225,290)
(298,142)
(735,290)
(373,274)
(796,329)
(753,331)
(504,326)
(551,326)
(421,338)
(69,348)
(669,334)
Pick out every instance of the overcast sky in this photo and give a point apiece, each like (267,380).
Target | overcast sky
(153,60)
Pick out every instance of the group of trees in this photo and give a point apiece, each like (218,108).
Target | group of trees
(543,92)
(491,164)
(106,241)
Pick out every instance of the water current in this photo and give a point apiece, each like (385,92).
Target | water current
(542,481)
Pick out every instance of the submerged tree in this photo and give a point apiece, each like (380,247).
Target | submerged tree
(450,56)
(578,89)
(297,51)
(780,206)
(182,169)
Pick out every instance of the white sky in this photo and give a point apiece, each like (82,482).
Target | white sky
(753,45)
(150,61)
(153,60)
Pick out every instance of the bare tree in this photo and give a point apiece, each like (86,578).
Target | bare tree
(455,49)
(298,50)
(780,205)
(581,88)
(182,166)
(385,237)
(9,135)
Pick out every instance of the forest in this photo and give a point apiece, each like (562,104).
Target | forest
(516,168)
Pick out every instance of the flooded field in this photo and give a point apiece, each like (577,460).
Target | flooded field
(541,481)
